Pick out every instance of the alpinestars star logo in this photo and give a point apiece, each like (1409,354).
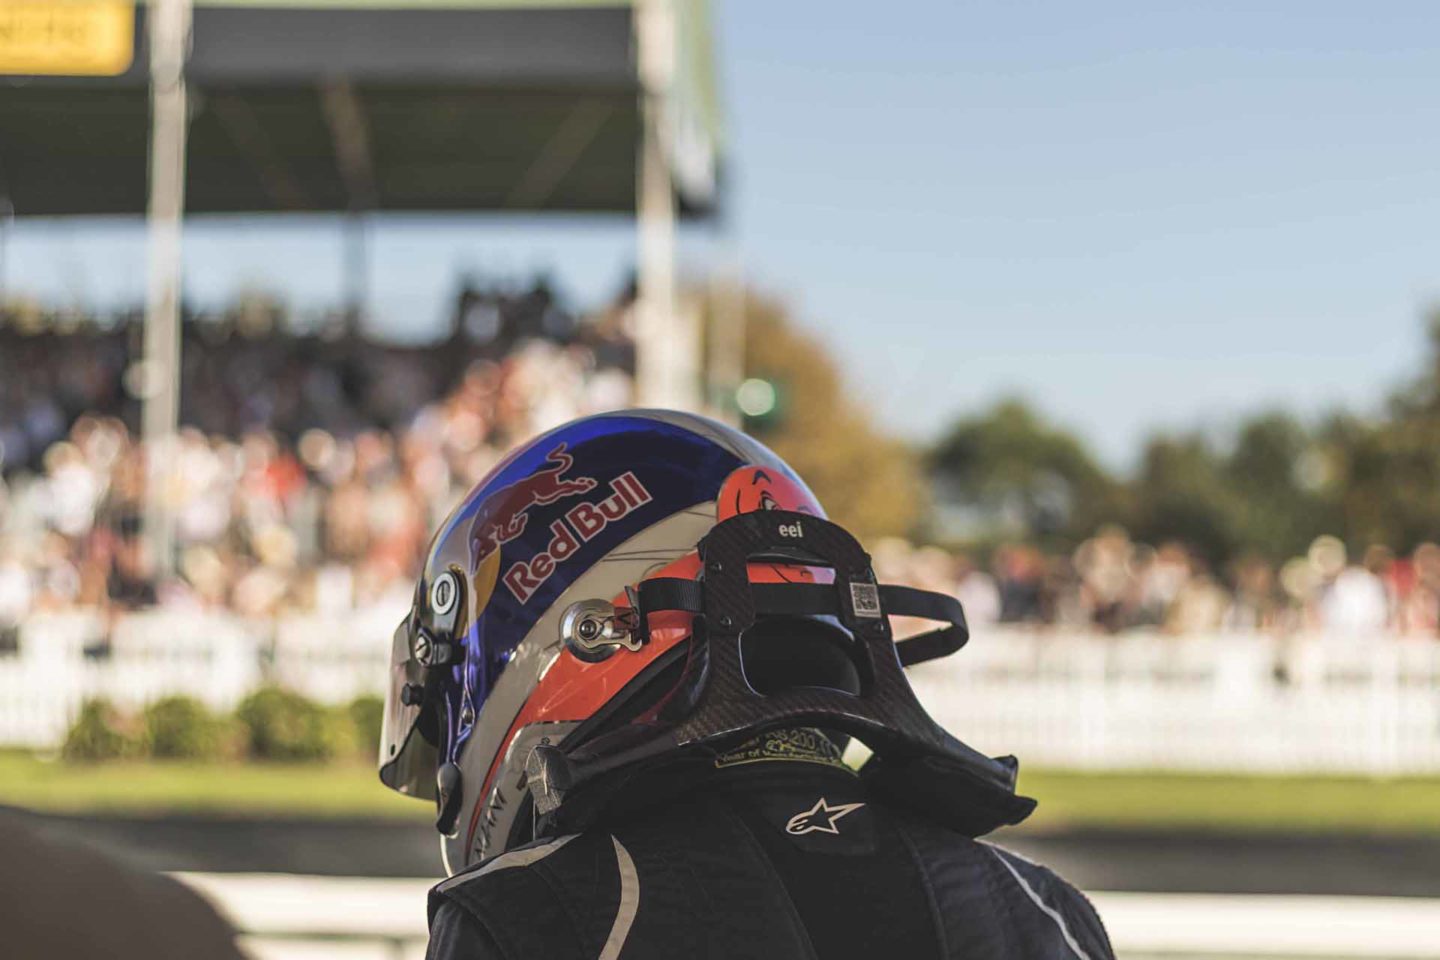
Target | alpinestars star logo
(820,818)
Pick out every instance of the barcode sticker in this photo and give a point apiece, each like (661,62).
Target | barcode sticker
(865,598)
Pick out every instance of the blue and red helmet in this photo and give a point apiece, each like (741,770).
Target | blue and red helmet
(583,511)
(531,620)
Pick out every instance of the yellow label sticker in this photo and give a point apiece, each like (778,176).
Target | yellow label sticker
(798,743)
(88,38)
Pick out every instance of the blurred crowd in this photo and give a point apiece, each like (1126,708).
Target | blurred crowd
(1111,584)
(313,464)
(310,467)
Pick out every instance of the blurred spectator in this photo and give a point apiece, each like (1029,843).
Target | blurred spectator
(1419,611)
(977,592)
(1200,603)
(1253,605)
(1161,574)
(310,468)
(1113,584)
(1020,576)
(15,596)
(1354,601)
(1103,564)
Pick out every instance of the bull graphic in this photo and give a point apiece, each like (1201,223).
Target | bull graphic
(505,514)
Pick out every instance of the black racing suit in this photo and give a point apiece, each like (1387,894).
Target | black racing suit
(780,854)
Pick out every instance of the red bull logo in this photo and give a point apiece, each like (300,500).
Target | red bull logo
(581,524)
(506,519)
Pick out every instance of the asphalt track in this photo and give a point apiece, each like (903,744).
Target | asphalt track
(1138,861)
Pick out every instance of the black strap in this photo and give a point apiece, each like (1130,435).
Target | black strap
(816,599)
(671,593)
(931,645)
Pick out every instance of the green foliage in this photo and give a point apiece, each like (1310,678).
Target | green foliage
(1267,490)
(1283,476)
(1182,494)
(182,728)
(1023,477)
(280,724)
(1390,470)
(342,735)
(270,724)
(1383,474)
(367,713)
(99,733)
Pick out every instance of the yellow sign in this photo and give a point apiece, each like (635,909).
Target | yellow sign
(93,38)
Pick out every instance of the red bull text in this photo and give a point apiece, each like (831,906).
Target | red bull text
(581,524)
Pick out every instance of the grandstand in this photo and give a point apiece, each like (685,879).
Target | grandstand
(365,107)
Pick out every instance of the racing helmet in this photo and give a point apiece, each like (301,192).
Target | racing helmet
(575,621)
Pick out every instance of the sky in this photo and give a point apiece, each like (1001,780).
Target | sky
(1138,215)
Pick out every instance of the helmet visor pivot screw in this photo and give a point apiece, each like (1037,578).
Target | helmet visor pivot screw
(592,630)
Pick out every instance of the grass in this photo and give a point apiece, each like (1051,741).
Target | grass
(1157,801)
(1295,804)
(348,789)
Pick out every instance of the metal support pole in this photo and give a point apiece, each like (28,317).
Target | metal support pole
(7,220)
(169,33)
(667,369)
(357,271)
(350,135)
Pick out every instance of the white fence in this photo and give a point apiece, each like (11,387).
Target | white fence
(64,659)
(1230,702)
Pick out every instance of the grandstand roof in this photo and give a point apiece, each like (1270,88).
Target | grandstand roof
(333,105)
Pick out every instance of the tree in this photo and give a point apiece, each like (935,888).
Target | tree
(1181,493)
(1390,480)
(1014,474)
(1281,477)
(1388,471)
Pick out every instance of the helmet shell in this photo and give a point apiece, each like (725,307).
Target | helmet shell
(580,512)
